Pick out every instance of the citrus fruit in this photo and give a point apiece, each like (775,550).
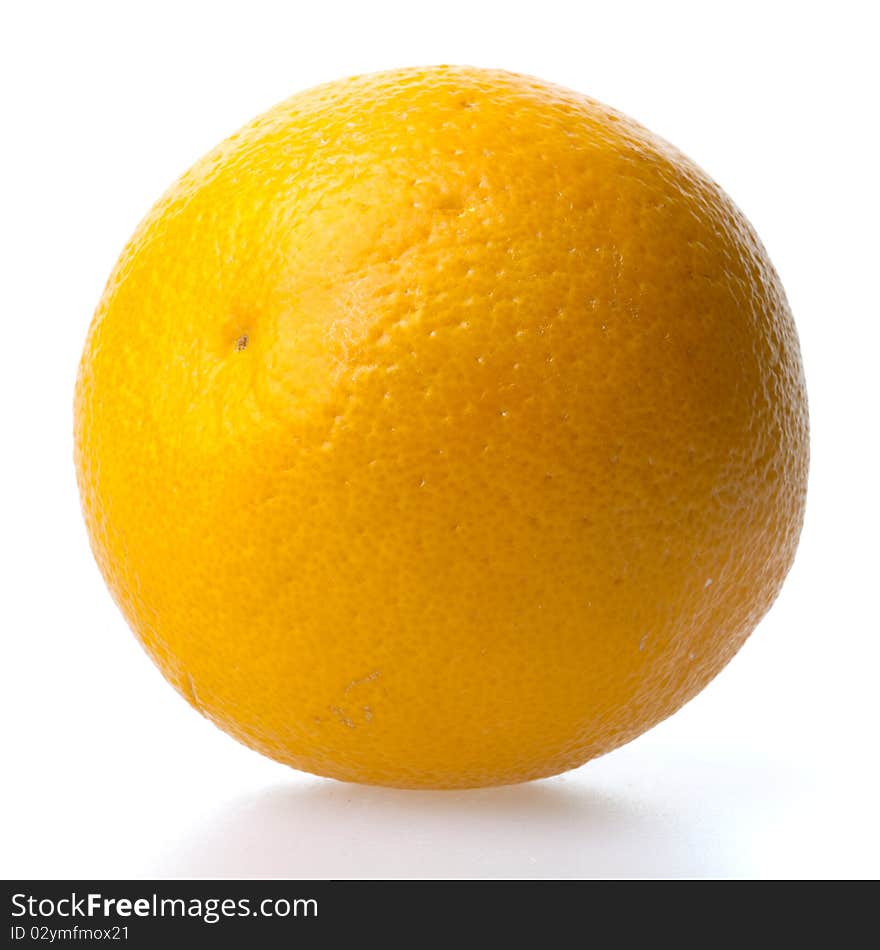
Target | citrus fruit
(442,428)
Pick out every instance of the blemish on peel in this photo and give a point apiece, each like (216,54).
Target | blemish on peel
(349,712)
(340,715)
(364,679)
(241,343)
(708,583)
(643,641)
(189,688)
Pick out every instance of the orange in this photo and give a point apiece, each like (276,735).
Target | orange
(442,428)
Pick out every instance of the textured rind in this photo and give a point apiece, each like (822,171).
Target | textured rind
(442,428)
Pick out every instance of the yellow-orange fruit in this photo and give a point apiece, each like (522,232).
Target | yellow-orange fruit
(443,427)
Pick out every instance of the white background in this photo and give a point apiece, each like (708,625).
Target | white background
(772,771)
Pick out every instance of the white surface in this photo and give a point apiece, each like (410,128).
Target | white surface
(771,771)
